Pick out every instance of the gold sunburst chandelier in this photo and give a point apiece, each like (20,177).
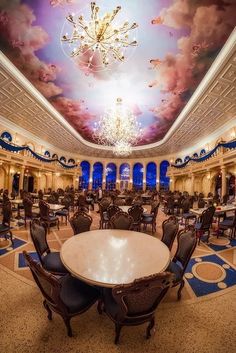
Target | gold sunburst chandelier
(99,40)
(119,128)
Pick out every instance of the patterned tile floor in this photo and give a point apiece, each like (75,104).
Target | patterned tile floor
(211,270)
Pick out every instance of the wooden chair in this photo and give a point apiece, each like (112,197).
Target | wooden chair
(80,222)
(150,219)
(64,213)
(46,216)
(5,227)
(121,220)
(66,296)
(29,214)
(187,242)
(51,261)
(136,212)
(135,303)
(203,225)
(170,229)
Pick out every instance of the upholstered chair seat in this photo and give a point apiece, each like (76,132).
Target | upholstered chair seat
(52,263)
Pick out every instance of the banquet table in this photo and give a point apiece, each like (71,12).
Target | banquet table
(126,208)
(18,202)
(109,257)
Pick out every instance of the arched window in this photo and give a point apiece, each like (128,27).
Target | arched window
(47,154)
(111,176)
(138,176)
(71,161)
(6,136)
(164,180)
(178,161)
(186,158)
(203,151)
(84,178)
(54,156)
(151,176)
(97,175)
(124,176)
(63,159)
(195,155)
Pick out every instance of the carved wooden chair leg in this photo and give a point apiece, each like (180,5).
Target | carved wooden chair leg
(100,307)
(48,310)
(118,329)
(180,289)
(10,234)
(150,327)
(68,326)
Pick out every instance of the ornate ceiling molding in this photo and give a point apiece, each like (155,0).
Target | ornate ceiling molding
(211,106)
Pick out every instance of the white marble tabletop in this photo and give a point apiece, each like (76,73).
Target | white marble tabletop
(219,209)
(17,201)
(109,257)
(53,207)
(125,208)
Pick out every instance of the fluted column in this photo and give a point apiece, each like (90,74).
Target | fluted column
(53,181)
(144,175)
(131,176)
(21,178)
(172,183)
(192,184)
(91,176)
(223,180)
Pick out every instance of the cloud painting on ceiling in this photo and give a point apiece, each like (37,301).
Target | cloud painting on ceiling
(177,42)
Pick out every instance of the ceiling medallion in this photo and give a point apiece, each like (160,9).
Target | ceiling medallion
(98,41)
(118,127)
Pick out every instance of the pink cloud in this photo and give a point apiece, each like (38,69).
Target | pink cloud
(55,3)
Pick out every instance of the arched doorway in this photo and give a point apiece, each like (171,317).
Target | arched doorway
(110,176)
(138,176)
(15,183)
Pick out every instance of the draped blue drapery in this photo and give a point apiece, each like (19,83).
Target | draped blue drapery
(14,148)
(230,144)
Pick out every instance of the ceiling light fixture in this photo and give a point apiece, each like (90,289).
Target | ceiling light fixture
(98,41)
(119,128)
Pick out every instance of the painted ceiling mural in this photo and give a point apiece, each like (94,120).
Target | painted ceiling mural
(177,42)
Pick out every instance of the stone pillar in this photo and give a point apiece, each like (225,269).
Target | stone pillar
(223,181)
(10,179)
(104,176)
(131,177)
(172,182)
(74,181)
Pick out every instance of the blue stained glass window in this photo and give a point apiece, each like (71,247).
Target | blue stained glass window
(164,180)
(151,175)
(138,176)
(47,154)
(111,176)
(97,175)
(84,178)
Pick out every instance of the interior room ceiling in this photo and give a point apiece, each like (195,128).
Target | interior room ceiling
(177,43)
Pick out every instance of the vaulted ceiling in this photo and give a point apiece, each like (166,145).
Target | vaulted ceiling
(177,44)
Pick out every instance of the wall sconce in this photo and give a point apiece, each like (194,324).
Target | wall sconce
(157,181)
(208,177)
(57,174)
(171,180)
(232,134)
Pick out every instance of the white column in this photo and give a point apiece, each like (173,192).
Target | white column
(192,184)
(158,177)
(144,176)
(91,176)
(21,178)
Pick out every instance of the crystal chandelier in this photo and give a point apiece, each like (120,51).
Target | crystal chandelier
(99,40)
(119,128)
(122,148)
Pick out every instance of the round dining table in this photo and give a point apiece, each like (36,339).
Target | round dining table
(126,208)
(109,257)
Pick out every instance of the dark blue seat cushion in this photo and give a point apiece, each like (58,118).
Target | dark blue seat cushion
(198,225)
(227,223)
(62,213)
(188,215)
(52,263)
(4,228)
(76,294)
(176,269)
(147,219)
(52,218)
